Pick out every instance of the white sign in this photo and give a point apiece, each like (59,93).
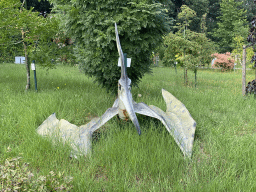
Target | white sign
(33,67)
(129,60)
(19,60)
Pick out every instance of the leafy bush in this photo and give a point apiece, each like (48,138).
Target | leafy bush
(224,61)
(141,25)
(16,176)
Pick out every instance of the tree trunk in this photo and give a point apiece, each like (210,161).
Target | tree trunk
(28,71)
(26,60)
(195,77)
(185,71)
(244,70)
(25,51)
(186,76)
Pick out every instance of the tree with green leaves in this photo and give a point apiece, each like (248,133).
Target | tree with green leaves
(189,48)
(200,7)
(249,6)
(191,52)
(212,15)
(237,52)
(90,23)
(24,28)
(185,18)
(232,23)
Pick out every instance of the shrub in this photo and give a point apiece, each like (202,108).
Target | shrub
(141,25)
(16,176)
(224,61)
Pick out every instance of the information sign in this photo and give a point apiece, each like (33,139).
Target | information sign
(129,60)
(33,67)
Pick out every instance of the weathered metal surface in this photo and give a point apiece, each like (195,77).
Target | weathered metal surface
(78,137)
(176,119)
(124,90)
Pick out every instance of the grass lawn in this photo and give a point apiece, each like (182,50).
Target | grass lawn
(224,152)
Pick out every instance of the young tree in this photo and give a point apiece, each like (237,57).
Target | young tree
(141,25)
(203,26)
(192,52)
(193,49)
(22,26)
(185,17)
(237,53)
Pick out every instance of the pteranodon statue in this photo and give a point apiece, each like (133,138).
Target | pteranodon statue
(176,119)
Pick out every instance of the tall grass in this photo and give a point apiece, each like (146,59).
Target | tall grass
(224,148)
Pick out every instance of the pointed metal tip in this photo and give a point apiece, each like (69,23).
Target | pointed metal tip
(163,91)
(137,127)
(139,132)
(136,123)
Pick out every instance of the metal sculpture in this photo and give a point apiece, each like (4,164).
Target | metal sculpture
(176,119)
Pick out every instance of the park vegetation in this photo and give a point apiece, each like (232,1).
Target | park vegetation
(186,34)
(141,26)
(224,148)
(188,48)
(24,29)
(223,61)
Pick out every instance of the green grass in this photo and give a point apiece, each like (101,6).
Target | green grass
(224,147)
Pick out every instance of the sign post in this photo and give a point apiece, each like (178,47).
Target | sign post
(33,67)
(175,65)
(127,61)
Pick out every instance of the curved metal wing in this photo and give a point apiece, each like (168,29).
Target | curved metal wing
(78,137)
(176,119)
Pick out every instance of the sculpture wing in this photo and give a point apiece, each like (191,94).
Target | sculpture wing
(49,126)
(78,137)
(182,118)
(97,122)
(60,130)
(177,120)
(84,142)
